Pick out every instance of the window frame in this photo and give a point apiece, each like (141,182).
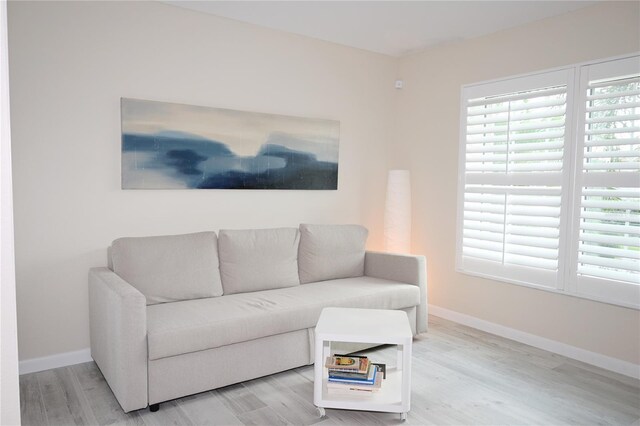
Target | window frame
(602,290)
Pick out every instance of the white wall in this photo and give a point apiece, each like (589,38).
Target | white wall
(426,141)
(9,393)
(70,64)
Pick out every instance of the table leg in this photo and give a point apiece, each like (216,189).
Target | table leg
(406,376)
(323,349)
(318,366)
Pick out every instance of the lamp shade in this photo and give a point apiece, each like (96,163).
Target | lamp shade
(397,215)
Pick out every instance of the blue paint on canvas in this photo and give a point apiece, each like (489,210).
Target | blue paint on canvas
(180,146)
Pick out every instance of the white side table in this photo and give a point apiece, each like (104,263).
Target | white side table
(365,326)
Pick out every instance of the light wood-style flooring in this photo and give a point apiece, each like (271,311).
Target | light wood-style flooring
(461,376)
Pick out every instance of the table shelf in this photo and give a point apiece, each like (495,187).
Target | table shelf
(387,399)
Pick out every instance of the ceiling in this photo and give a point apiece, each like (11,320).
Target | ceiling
(389,27)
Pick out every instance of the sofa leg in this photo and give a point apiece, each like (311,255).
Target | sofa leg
(154,407)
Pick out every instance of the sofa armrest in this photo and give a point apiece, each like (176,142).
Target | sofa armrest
(407,269)
(118,325)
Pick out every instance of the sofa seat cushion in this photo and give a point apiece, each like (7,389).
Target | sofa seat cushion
(195,325)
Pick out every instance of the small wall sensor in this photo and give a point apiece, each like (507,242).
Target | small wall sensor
(399,84)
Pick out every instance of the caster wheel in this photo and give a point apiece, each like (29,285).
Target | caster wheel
(321,412)
(403,417)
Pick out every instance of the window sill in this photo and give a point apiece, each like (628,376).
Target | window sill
(613,302)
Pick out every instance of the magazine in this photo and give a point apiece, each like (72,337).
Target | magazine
(370,379)
(354,389)
(348,364)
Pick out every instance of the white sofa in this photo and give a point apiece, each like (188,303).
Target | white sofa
(177,315)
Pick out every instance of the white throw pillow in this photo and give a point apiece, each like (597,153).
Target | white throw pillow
(331,251)
(258,259)
(169,268)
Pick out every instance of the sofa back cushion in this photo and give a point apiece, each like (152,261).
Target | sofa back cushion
(331,251)
(258,259)
(169,268)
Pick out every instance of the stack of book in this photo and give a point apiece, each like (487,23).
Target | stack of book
(354,374)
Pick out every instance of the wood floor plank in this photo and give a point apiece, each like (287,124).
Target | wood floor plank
(603,388)
(362,418)
(239,399)
(262,416)
(326,421)
(610,403)
(460,376)
(284,399)
(305,372)
(626,380)
(542,391)
(169,414)
(32,410)
(131,419)
(103,403)
(62,399)
(599,377)
(450,396)
(207,408)
(299,384)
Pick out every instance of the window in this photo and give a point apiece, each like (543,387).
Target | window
(549,182)
(607,179)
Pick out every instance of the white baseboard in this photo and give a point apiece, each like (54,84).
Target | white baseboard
(34,365)
(599,360)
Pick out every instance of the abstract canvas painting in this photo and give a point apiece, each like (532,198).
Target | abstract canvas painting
(172,146)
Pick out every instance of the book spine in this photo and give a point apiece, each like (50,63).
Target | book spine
(351,391)
(368,381)
(345,377)
(346,387)
(353,382)
(344,370)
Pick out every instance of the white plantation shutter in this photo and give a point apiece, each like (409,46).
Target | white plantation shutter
(513,141)
(608,182)
(549,181)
